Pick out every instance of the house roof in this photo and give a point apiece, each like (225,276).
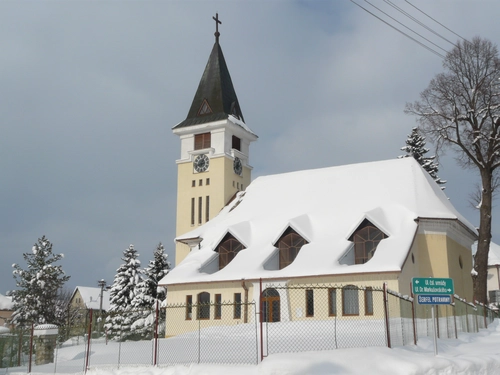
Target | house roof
(493,254)
(215,94)
(325,206)
(92,297)
(6,303)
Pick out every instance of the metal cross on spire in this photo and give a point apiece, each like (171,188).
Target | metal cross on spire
(217,22)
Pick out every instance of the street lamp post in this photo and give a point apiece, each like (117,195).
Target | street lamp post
(102,284)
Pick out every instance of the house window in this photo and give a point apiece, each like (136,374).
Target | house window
(289,246)
(218,306)
(309,302)
(227,249)
(237,306)
(366,239)
(368,301)
(192,211)
(207,182)
(236,143)
(189,307)
(200,182)
(193,183)
(207,208)
(350,300)
(202,141)
(200,207)
(332,302)
(203,306)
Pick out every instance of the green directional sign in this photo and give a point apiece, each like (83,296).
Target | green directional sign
(432,285)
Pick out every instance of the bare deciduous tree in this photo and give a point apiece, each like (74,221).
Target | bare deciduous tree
(460,110)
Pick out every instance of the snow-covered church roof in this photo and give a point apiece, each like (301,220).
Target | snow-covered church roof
(325,206)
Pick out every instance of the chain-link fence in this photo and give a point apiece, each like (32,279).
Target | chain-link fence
(287,318)
(321,317)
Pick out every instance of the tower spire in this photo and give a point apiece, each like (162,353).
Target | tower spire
(217,22)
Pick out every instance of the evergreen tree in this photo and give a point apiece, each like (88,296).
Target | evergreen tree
(415,147)
(37,299)
(148,293)
(122,293)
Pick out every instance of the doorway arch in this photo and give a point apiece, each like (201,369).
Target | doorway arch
(271,305)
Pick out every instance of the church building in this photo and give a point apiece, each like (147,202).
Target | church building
(363,224)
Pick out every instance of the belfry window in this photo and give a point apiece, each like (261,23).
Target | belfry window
(202,141)
(289,246)
(227,249)
(366,239)
(236,143)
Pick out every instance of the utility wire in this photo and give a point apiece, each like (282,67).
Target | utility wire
(413,31)
(439,23)
(418,22)
(399,31)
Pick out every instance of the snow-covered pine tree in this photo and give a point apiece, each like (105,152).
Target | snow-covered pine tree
(415,147)
(122,293)
(36,300)
(148,293)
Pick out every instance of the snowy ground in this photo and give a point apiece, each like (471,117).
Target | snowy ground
(470,354)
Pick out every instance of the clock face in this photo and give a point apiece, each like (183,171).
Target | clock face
(237,166)
(201,163)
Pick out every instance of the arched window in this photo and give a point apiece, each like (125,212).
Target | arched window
(350,300)
(366,239)
(203,311)
(270,305)
(227,249)
(289,246)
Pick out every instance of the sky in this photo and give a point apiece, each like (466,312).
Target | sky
(89,93)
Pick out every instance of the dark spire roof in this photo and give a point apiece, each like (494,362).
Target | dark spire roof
(215,98)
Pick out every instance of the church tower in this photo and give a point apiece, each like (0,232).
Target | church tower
(215,144)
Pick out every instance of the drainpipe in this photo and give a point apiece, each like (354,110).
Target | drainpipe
(245,311)
(498,276)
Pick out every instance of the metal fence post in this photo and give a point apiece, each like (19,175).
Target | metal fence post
(88,343)
(260,319)
(413,319)
(386,313)
(31,347)
(155,355)
(454,307)
(199,336)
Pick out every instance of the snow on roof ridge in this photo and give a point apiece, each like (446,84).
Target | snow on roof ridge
(392,194)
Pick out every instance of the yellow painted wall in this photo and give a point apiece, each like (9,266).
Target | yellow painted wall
(224,183)
(493,281)
(177,321)
(437,255)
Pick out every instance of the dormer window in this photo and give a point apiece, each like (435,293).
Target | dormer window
(227,249)
(366,239)
(289,246)
(204,108)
